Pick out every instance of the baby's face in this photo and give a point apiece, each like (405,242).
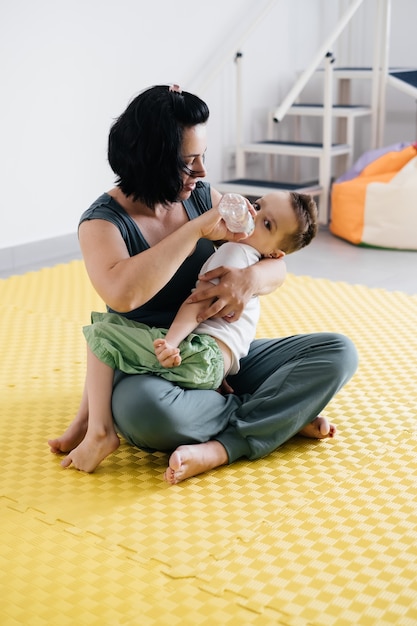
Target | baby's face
(274,220)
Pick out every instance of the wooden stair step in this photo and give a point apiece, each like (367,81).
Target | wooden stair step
(408,76)
(360,72)
(404,80)
(294,148)
(256,188)
(338,110)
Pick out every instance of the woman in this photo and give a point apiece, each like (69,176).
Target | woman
(143,244)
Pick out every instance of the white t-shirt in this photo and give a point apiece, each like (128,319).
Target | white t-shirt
(236,335)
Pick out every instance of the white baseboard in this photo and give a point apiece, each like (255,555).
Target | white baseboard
(38,254)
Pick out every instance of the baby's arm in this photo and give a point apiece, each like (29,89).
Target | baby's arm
(166,350)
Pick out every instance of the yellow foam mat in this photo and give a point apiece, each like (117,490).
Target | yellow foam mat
(318,533)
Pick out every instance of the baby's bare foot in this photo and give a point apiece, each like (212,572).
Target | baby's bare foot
(70,439)
(320,428)
(194,459)
(92,450)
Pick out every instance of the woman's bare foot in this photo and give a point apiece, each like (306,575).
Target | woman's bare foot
(92,450)
(194,459)
(320,428)
(71,438)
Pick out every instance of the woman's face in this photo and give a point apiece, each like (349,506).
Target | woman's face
(194,146)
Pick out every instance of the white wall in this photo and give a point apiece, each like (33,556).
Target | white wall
(69,67)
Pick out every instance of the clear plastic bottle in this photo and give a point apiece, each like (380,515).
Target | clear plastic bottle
(234,211)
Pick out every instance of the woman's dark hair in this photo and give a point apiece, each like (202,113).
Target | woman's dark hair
(144,149)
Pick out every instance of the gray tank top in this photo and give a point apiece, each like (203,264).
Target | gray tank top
(161,309)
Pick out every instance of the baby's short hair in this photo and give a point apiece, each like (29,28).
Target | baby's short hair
(305,209)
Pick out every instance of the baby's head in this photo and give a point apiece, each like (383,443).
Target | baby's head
(285,221)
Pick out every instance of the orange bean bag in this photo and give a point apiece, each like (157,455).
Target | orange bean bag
(378,205)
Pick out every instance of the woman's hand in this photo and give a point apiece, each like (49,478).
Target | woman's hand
(228,297)
(213,227)
(233,288)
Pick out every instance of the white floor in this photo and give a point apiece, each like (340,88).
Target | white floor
(329,257)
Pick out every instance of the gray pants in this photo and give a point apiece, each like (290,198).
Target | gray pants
(283,384)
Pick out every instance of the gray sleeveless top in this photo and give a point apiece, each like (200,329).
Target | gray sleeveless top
(161,309)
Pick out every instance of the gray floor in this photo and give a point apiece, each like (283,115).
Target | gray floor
(333,258)
(33,266)
(330,257)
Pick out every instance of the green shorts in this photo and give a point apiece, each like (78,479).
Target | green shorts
(127,345)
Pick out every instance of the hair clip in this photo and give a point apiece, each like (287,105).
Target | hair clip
(175,88)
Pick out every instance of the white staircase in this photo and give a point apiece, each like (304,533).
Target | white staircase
(340,146)
(337,141)
(335,150)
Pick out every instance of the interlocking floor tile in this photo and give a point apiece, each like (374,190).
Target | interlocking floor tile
(317,534)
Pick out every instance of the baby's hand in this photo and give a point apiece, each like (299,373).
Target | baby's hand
(167,355)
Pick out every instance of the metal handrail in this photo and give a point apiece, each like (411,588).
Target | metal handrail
(381,70)
(230,54)
(299,85)
(325,160)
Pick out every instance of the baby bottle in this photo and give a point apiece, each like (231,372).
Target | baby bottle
(234,211)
